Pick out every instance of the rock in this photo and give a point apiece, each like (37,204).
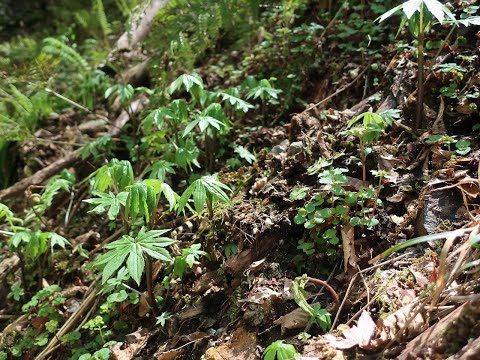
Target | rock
(319,348)
(206,281)
(439,207)
(280,148)
(242,346)
(295,148)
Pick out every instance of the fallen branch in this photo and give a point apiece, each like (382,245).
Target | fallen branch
(43,175)
(70,323)
(339,91)
(40,176)
(131,38)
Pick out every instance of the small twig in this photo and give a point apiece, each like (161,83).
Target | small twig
(365,284)
(69,208)
(330,24)
(419,307)
(379,292)
(359,76)
(353,280)
(71,102)
(7,317)
(132,289)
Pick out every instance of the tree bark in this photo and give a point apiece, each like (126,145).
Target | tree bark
(129,39)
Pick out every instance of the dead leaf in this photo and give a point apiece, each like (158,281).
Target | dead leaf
(359,335)
(170,355)
(397,220)
(469,186)
(297,319)
(257,266)
(144,306)
(320,348)
(394,322)
(38,322)
(196,336)
(259,185)
(348,242)
(136,342)
(242,346)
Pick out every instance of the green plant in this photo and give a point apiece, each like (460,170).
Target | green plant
(317,315)
(205,191)
(230,249)
(159,169)
(418,14)
(462,147)
(126,94)
(64,181)
(9,217)
(211,122)
(16,292)
(117,175)
(33,245)
(280,351)
(163,318)
(137,252)
(368,132)
(186,260)
(326,212)
(262,89)
(244,154)
(110,201)
(67,53)
(44,308)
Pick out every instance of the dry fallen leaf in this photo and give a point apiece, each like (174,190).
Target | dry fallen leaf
(358,335)
(135,343)
(297,319)
(348,242)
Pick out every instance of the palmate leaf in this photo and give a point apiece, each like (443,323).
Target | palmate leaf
(141,200)
(165,189)
(244,154)
(232,98)
(133,251)
(159,169)
(157,118)
(35,243)
(57,240)
(188,81)
(203,122)
(410,7)
(136,263)
(263,91)
(108,201)
(186,156)
(207,187)
(186,260)
(117,173)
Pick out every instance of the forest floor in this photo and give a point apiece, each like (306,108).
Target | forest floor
(316,247)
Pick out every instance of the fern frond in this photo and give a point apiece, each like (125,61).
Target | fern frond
(123,7)
(80,17)
(26,105)
(65,52)
(102,18)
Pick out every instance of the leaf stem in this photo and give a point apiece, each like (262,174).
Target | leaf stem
(149,276)
(421,35)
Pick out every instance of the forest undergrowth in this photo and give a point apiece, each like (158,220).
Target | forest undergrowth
(239,179)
